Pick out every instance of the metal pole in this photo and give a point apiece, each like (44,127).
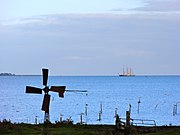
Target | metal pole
(46,116)
(116,112)
(99,116)
(61,118)
(130,108)
(101,107)
(81,118)
(139,105)
(36,121)
(86,112)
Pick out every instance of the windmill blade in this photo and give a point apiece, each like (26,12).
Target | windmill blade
(46,102)
(59,89)
(76,90)
(45,76)
(34,90)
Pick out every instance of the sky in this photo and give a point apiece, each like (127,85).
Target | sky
(92,37)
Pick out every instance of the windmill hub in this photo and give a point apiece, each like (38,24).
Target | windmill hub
(46,90)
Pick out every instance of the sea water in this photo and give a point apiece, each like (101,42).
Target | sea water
(157,96)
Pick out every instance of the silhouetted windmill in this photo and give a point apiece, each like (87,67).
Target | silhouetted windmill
(46,89)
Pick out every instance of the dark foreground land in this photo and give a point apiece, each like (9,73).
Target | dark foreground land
(7,128)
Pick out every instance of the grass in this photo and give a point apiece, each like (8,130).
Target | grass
(7,128)
(166,131)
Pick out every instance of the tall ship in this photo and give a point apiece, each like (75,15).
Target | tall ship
(127,72)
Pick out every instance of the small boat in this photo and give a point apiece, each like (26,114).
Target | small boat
(128,72)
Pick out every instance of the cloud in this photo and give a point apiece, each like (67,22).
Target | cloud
(103,42)
(74,58)
(160,6)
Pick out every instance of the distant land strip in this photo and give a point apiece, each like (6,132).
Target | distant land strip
(6,74)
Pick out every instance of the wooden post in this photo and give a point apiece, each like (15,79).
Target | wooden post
(127,119)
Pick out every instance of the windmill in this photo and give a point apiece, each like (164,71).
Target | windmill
(46,101)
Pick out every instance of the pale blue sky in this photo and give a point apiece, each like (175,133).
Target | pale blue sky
(90,37)
(24,8)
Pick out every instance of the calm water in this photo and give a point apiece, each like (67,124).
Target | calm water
(158,94)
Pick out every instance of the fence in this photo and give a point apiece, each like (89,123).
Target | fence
(141,122)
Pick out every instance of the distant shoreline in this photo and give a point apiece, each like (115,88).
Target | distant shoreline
(7,74)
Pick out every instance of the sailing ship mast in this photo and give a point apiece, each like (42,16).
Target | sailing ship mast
(128,72)
(123,71)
